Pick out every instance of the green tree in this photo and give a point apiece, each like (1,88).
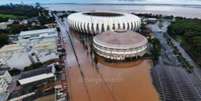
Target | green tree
(4,39)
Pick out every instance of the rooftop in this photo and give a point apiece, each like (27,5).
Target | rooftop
(120,39)
(11,47)
(36,75)
(3,70)
(37,31)
(35,78)
(35,72)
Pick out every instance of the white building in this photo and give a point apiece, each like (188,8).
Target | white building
(27,37)
(3,86)
(6,76)
(98,22)
(37,76)
(4,25)
(5,79)
(42,43)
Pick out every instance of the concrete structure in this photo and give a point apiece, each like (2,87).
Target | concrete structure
(27,37)
(6,76)
(37,76)
(4,25)
(3,85)
(97,22)
(5,79)
(42,43)
(120,45)
(10,49)
(18,56)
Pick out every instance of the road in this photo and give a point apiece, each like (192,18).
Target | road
(170,78)
(87,83)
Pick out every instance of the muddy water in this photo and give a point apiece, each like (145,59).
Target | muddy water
(110,82)
(189,11)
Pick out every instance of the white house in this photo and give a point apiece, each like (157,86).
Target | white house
(6,76)
(5,79)
(3,85)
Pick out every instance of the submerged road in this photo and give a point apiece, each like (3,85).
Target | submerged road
(86,83)
(173,82)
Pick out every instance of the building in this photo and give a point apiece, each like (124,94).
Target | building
(5,80)
(3,85)
(97,22)
(34,84)
(42,43)
(150,20)
(4,25)
(27,37)
(10,49)
(4,74)
(37,76)
(120,45)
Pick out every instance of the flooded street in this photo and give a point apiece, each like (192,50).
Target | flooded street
(106,81)
(172,80)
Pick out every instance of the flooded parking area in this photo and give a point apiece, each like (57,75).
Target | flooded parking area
(107,81)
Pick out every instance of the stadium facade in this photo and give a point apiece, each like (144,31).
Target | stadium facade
(115,37)
(120,45)
(98,22)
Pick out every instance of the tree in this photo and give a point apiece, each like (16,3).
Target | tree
(14,71)
(4,39)
(156,49)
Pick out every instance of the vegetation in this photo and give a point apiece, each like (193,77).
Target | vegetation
(4,39)
(17,28)
(182,60)
(46,19)
(188,33)
(158,16)
(14,72)
(33,66)
(18,10)
(39,65)
(155,49)
(6,17)
(33,14)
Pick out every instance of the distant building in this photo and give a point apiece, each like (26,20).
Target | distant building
(150,20)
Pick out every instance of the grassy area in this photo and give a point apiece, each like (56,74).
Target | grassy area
(9,16)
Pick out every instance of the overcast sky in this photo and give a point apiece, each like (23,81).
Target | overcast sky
(103,1)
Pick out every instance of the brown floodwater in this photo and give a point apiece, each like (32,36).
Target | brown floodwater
(108,81)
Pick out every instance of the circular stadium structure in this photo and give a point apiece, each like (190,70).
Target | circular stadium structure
(98,22)
(119,45)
